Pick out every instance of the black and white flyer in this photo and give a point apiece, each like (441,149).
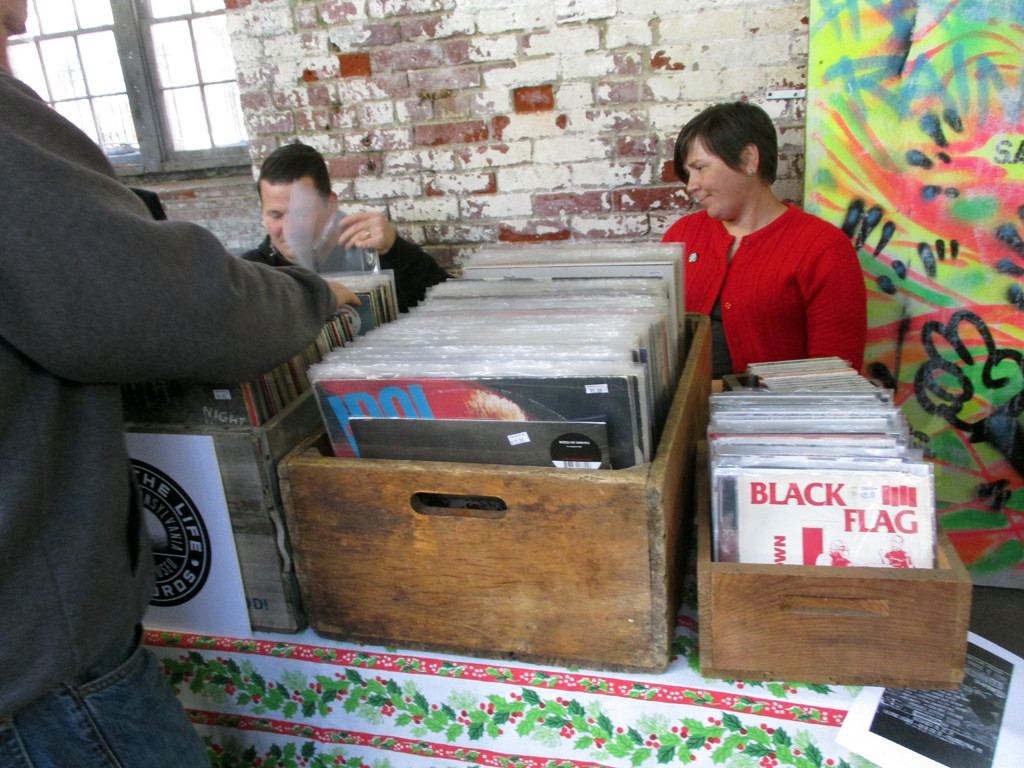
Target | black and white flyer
(979,725)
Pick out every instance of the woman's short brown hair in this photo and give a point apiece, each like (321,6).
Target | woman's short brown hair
(726,130)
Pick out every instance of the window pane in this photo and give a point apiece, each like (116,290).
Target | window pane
(225,114)
(215,59)
(162,9)
(63,69)
(201,6)
(79,113)
(32,24)
(94,13)
(185,119)
(56,16)
(175,59)
(117,130)
(25,64)
(102,65)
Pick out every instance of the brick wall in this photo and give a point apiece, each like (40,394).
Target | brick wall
(227,206)
(476,121)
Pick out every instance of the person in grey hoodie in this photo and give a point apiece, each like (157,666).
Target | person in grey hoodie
(94,293)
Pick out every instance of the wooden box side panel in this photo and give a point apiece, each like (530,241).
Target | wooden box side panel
(672,476)
(264,557)
(853,631)
(563,573)
(271,594)
(859,626)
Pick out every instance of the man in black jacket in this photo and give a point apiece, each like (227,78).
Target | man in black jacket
(297,172)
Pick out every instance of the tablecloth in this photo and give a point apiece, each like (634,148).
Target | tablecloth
(302,700)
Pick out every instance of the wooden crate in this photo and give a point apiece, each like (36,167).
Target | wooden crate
(247,458)
(582,569)
(892,627)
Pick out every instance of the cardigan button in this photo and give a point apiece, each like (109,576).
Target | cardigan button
(728,305)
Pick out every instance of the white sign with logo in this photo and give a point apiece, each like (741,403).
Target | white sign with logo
(198,586)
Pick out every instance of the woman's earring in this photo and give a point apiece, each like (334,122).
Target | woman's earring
(750,171)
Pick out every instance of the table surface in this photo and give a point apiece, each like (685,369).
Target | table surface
(301,700)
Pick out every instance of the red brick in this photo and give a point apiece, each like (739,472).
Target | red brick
(445,78)
(483,184)
(618,92)
(260,148)
(668,173)
(636,146)
(355,64)
(381,34)
(625,228)
(627,64)
(181,194)
(457,52)
(498,126)
(620,121)
(456,107)
(256,101)
(329,72)
(660,60)
(651,199)
(571,202)
(379,139)
(461,233)
(351,166)
(284,99)
(313,120)
(530,232)
(419,110)
(318,96)
(535,98)
(417,29)
(234,5)
(451,133)
(400,58)
(338,11)
(266,124)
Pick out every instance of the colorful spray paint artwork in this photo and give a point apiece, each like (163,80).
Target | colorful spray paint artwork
(915,140)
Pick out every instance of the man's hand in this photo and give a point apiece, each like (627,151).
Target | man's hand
(343,295)
(368,230)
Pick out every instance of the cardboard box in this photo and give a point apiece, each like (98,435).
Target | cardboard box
(247,458)
(582,568)
(892,627)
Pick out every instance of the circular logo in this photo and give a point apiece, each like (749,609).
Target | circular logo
(181,544)
(575,450)
(351,315)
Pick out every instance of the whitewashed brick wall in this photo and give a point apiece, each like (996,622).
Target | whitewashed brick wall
(477,121)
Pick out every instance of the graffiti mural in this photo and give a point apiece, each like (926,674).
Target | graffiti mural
(915,141)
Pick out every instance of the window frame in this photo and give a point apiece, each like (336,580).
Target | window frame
(138,64)
(156,153)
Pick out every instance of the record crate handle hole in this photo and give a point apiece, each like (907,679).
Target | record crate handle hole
(838,606)
(456,505)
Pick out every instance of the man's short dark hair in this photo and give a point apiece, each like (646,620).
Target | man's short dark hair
(725,130)
(291,162)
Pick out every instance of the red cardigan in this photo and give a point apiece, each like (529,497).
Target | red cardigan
(793,289)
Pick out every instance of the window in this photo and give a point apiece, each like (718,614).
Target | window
(151,81)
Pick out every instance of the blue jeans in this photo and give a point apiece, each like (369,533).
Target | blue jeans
(119,714)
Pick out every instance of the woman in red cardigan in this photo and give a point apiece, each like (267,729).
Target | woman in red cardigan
(778,283)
